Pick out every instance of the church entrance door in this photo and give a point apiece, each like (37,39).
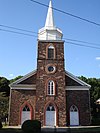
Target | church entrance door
(74,116)
(50,116)
(26,114)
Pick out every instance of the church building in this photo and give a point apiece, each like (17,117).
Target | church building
(50,93)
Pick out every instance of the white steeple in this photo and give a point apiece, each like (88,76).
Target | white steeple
(49,31)
(49,20)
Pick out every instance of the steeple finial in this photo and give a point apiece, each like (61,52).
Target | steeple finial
(49,24)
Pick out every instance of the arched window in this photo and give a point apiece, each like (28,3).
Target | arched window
(51,52)
(51,87)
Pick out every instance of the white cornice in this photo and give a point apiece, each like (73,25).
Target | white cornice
(23,87)
(33,87)
(78,88)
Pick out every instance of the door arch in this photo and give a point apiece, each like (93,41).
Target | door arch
(25,113)
(50,116)
(74,116)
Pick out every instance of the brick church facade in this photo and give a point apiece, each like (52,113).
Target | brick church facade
(50,94)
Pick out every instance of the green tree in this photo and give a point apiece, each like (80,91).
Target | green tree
(4,85)
(13,80)
(94,92)
(95,87)
(4,100)
(4,96)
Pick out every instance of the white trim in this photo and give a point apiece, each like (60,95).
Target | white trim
(77,79)
(23,78)
(80,88)
(51,85)
(23,87)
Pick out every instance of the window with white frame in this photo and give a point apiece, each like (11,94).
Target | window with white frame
(51,87)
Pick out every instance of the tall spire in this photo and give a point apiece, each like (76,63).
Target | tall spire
(50,19)
(49,31)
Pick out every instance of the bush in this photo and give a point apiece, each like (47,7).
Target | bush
(0,124)
(31,126)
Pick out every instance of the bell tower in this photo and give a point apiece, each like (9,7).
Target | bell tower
(50,85)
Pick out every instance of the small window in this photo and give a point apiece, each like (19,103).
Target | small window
(51,68)
(51,87)
(26,108)
(50,52)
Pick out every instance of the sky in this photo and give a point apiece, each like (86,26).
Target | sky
(18,52)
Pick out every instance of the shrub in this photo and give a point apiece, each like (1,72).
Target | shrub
(31,126)
(0,124)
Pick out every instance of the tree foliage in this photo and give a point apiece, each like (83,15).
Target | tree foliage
(95,87)
(13,80)
(4,96)
(4,100)
(4,85)
(94,92)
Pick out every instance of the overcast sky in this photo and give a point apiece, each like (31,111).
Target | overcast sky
(18,52)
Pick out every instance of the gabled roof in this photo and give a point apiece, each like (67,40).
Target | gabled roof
(29,80)
(72,80)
